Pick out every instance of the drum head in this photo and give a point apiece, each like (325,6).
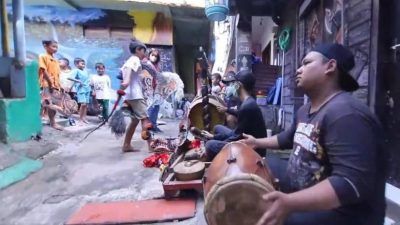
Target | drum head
(196,112)
(237,200)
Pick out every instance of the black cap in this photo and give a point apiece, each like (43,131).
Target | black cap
(229,77)
(247,79)
(345,62)
(136,44)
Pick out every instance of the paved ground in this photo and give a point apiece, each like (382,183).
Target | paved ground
(76,173)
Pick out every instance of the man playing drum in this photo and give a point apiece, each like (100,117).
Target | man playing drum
(250,119)
(336,173)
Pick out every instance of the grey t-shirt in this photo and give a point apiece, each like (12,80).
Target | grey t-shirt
(342,143)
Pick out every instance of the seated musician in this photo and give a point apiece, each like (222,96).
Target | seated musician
(231,99)
(335,174)
(250,119)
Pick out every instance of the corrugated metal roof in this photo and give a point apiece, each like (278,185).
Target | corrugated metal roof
(118,4)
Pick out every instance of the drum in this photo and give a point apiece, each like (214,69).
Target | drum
(233,186)
(196,112)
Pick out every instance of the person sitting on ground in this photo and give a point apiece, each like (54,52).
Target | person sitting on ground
(250,119)
(101,84)
(131,84)
(336,171)
(49,78)
(82,87)
(229,94)
(216,87)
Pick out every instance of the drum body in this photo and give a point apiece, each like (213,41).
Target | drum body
(195,114)
(233,186)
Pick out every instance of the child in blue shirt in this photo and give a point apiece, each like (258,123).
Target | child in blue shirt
(82,87)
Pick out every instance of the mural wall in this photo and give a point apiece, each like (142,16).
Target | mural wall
(152,27)
(325,23)
(95,36)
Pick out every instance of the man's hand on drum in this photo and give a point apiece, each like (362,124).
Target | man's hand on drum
(222,109)
(249,140)
(278,210)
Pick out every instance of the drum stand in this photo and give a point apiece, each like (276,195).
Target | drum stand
(172,187)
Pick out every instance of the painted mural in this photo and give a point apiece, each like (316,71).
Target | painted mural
(153,28)
(324,23)
(333,18)
(82,33)
(313,28)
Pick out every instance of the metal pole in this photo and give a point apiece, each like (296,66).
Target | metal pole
(283,73)
(4,28)
(282,111)
(19,32)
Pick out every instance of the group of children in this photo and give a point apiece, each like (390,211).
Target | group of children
(56,76)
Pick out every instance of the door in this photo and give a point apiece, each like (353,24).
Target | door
(389,83)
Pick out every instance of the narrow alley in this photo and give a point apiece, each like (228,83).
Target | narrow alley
(200,112)
(76,173)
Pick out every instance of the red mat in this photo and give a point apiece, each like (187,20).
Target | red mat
(134,212)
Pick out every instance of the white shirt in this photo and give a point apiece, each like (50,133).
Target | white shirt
(101,86)
(65,83)
(134,89)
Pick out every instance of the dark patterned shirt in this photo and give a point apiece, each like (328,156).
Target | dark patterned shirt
(342,143)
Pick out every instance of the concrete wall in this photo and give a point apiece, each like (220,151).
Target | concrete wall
(262,31)
(20,118)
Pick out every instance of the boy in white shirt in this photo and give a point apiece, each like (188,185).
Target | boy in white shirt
(131,84)
(101,84)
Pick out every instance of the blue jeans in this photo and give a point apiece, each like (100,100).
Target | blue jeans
(153,114)
(213,147)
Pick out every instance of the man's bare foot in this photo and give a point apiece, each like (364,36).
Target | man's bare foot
(85,121)
(57,127)
(129,149)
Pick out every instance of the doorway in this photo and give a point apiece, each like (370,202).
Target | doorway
(388,83)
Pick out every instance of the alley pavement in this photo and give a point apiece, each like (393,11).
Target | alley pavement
(75,173)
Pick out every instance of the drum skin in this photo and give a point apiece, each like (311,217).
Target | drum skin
(243,159)
(196,112)
(233,186)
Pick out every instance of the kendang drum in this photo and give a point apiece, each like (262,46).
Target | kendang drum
(234,185)
(196,112)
